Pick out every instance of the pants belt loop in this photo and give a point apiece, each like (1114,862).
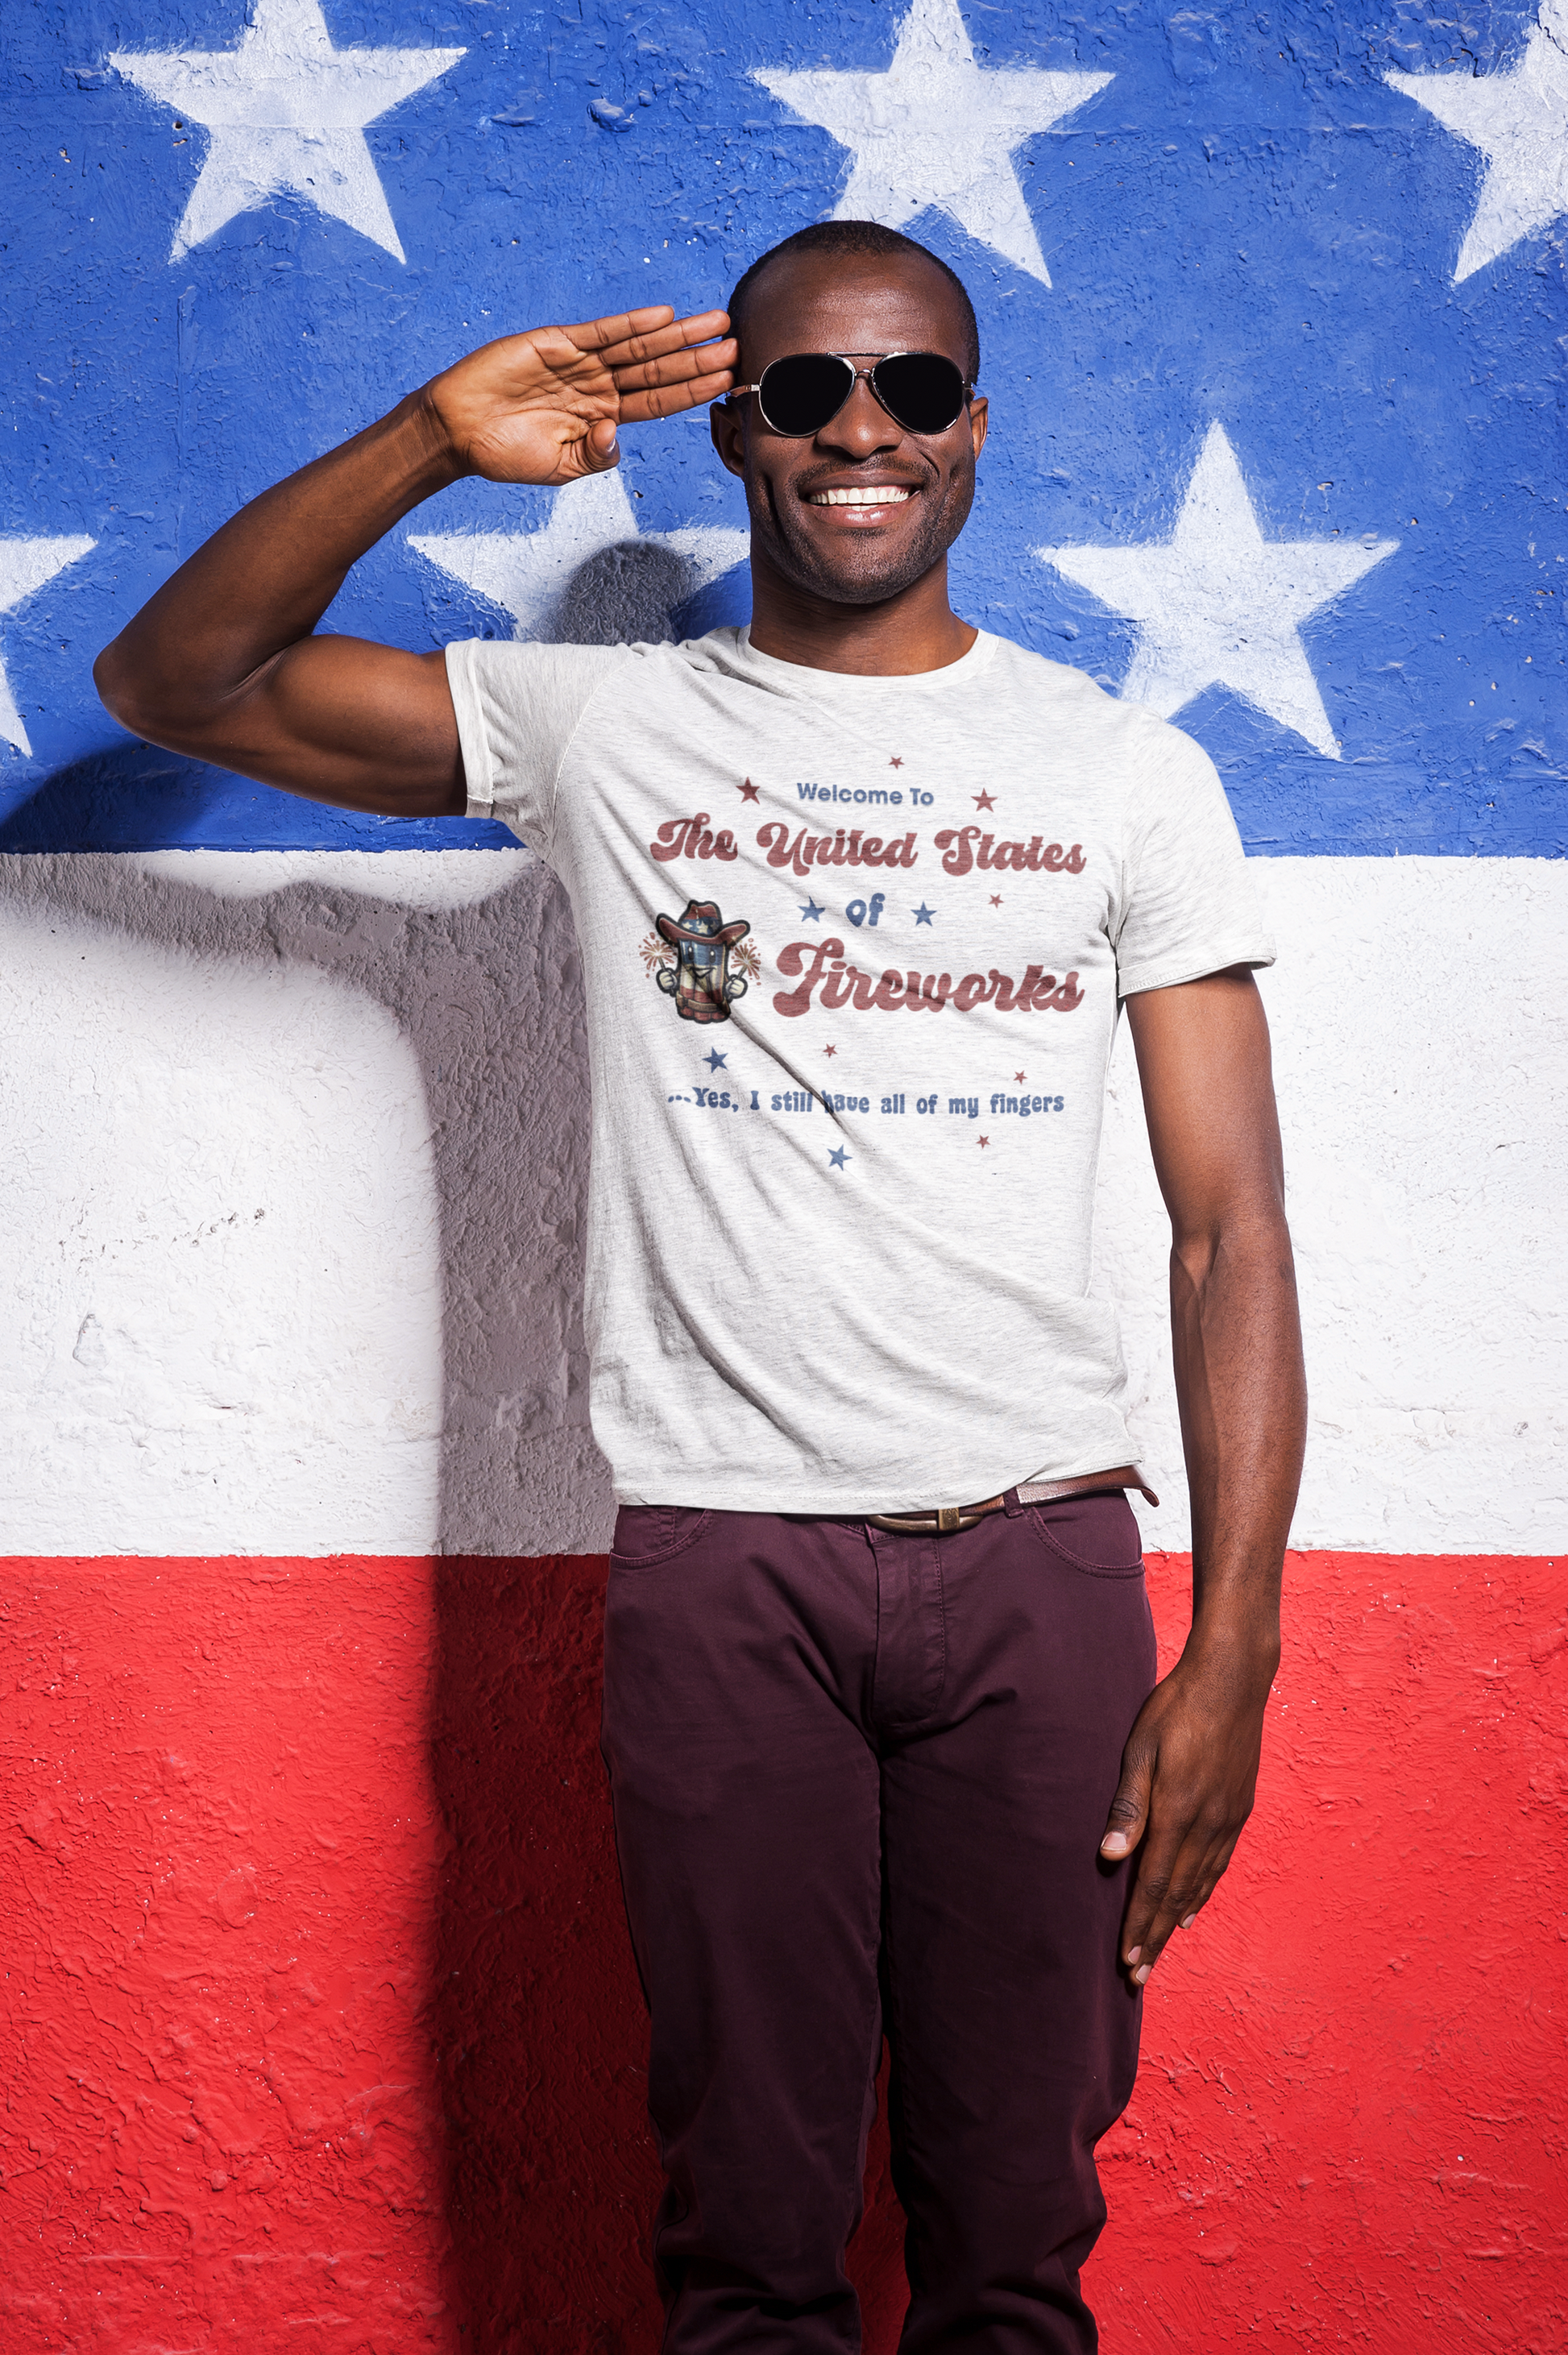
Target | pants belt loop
(1011,1505)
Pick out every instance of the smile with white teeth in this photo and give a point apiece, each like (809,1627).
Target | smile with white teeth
(873,494)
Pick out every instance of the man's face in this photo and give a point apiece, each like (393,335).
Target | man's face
(863,305)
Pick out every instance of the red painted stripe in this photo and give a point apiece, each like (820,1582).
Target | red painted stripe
(320,2026)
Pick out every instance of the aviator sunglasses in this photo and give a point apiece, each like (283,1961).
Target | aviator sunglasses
(922,391)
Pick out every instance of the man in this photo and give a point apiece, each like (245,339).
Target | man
(860,893)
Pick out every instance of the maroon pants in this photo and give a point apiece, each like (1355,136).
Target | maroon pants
(859,1782)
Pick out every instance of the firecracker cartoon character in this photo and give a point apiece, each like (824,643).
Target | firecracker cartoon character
(701,980)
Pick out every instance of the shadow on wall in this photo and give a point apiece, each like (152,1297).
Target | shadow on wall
(533,2008)
(480,975)
(626,593)
(535,2014)
(490,996)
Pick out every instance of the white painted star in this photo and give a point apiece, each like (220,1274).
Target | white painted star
(286,111)
(526,572)
(1217,604)
(26,565)
(1520,123)
(935,130)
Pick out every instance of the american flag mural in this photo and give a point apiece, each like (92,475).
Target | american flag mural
(320,2030)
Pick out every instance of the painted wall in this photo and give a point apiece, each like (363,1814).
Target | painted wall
(319,2021)
(321,2018)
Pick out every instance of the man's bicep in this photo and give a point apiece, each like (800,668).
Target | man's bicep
(342,720)
(1207,1089)
(334,719)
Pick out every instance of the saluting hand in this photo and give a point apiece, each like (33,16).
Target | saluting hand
(544,406)
(225,662)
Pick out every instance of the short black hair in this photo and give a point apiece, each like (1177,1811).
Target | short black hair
(849,237)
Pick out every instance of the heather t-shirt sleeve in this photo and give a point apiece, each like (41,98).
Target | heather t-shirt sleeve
(1188,904)
(518,709)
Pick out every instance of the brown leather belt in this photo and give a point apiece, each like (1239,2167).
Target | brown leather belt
(944,1519)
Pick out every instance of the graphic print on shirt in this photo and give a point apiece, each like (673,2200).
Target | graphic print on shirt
(694,977)
(697,973)
(845,985)
(701,963)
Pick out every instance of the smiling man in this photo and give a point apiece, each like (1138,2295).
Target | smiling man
(886,1749)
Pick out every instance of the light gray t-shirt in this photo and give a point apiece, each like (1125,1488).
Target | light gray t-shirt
(853,949)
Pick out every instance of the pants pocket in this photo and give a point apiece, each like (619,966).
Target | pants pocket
(647,1536)
(1097,1534)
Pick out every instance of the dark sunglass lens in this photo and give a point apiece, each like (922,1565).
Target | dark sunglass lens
(921,389)
(800,394)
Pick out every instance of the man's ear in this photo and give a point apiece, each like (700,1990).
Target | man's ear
(729,436)
(980,412)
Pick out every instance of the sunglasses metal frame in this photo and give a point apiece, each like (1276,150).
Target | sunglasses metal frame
(856,374)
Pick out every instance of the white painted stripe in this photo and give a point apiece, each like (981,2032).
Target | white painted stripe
(382,1052)
(1420,1017)
(220,1242)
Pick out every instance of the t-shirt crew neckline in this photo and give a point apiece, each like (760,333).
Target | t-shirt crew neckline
(805,679)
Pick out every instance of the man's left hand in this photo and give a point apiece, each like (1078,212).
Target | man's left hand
(1188,1772)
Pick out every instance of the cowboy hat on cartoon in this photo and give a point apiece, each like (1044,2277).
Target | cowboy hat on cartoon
(701,980)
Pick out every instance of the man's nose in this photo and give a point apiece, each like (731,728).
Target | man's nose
(862,427)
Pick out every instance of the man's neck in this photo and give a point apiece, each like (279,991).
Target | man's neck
(915,631)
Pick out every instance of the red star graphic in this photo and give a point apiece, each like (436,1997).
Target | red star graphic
(747,791)
(1020,1076)
(984,801)
(996,898)
(830,1050)
(895,762)
(984,1140)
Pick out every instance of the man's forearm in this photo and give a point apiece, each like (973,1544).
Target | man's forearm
(262,583)
(1242,1392)
(1190,1766)
(1203,1060)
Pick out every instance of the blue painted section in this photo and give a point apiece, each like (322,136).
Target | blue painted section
(1247,224)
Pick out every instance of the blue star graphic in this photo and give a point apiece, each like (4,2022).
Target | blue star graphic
(714,1059)
(923,914)
(840,1157)
(810,911)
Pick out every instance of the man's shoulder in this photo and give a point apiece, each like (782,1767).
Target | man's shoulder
(1078,702)
(525,662)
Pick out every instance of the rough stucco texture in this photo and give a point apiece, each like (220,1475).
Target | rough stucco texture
(321,2029)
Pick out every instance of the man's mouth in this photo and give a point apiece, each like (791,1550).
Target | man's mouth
(868,494)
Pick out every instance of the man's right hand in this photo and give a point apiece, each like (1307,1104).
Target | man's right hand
(223,664)
(544,407)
